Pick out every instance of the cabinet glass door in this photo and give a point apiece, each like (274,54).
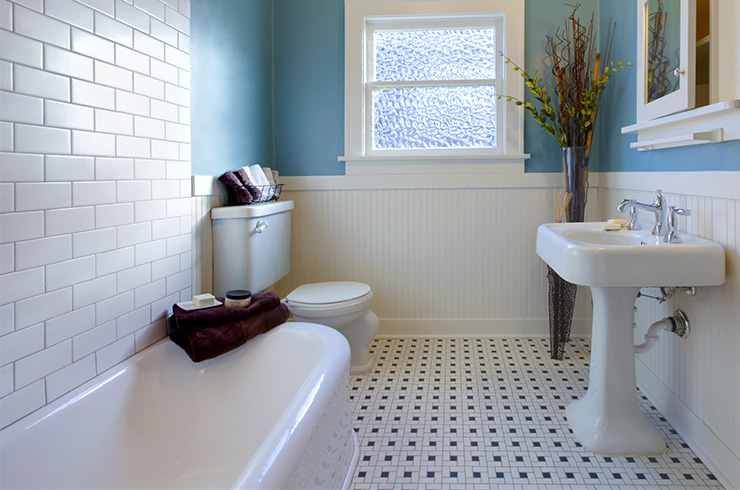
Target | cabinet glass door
(665,57)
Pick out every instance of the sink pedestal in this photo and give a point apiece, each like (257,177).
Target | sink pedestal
(608,420)
(615,264)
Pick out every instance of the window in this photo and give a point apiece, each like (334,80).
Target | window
(432,86)
(422,79)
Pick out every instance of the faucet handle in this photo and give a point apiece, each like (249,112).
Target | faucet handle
(673,211)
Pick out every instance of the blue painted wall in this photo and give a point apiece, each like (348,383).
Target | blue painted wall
(231,84)
(618,110)
(309,86)
(268,87)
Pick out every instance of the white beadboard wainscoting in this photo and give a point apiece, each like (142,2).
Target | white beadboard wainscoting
(442,261)
(694,382)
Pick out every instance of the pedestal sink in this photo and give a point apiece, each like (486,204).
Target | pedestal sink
(615,265)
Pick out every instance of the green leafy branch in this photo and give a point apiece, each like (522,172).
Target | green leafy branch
(546,116)
(560,117)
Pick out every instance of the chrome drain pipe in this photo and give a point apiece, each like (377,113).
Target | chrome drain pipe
(678,324)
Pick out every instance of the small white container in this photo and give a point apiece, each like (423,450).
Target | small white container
(238,298)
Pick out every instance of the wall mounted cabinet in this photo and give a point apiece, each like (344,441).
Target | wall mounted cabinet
(687,68)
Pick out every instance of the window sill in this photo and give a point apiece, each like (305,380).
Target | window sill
(714,123)
(434,164)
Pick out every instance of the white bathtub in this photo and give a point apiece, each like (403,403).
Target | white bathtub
(274,413)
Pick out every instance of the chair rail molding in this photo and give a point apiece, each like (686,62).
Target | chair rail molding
(718,184)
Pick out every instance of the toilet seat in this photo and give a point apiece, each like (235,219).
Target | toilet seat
(327,299)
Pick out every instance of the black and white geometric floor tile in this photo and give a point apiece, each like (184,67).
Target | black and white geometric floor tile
(479,413)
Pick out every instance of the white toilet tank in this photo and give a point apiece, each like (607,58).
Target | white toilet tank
(251,246)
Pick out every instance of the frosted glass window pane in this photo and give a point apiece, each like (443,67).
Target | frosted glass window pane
(435,54)
(434,117)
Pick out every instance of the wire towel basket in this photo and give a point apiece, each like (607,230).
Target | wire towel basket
(267,193)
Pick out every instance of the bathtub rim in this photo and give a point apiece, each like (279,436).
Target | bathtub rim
(334,342)
(271,477)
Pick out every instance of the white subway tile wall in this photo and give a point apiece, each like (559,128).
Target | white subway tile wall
(95,224)
(40,83)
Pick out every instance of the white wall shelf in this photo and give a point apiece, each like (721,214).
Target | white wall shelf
(696,138)
(714,123)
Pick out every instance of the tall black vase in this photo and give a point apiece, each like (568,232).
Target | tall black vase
(561,293)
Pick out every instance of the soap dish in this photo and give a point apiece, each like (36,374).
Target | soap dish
(189,306)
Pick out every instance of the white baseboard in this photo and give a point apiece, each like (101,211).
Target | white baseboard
(476,327)
(719,458)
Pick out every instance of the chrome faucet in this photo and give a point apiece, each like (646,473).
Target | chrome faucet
(658,207)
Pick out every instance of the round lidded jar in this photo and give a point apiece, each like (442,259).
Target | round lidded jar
(237,298)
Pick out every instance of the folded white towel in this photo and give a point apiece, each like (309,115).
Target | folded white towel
(249,174)
(260,180)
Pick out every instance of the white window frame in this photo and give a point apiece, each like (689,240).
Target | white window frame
(422,24)
(361,16)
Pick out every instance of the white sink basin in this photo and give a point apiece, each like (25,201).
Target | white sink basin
(586,254)
(616,264)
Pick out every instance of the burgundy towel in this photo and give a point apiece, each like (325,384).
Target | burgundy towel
(210,332)
(207,317)
(253,190)
(239,193)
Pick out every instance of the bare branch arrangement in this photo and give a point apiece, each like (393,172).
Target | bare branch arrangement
(581,75)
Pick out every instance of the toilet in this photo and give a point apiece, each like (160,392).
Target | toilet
(251,250)
(344,306)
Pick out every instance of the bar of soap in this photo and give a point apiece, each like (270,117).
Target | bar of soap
(611,226)
(206,299)
(620,222)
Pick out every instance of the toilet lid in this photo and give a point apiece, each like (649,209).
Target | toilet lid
(324,293)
